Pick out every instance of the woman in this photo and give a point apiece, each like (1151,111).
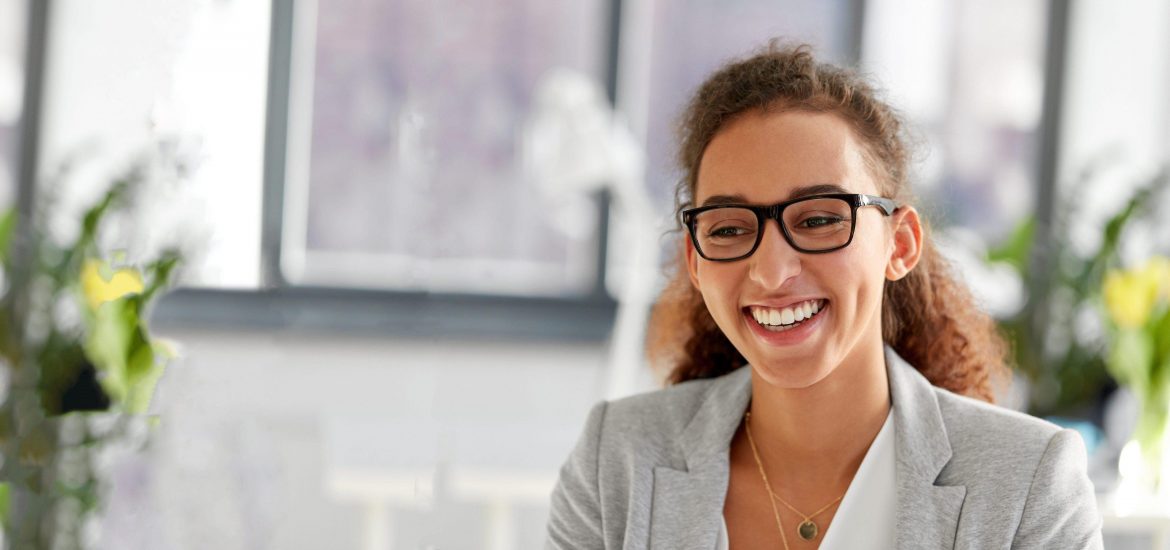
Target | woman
(822,347)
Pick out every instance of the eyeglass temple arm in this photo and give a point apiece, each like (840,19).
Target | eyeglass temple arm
(887,205)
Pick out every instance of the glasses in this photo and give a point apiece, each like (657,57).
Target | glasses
(813,225)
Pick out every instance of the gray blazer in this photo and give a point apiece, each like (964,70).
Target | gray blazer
(651,471)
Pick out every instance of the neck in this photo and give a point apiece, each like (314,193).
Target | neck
(821,433)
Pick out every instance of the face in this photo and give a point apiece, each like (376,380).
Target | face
(766,158)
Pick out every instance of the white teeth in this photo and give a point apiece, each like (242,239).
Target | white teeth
(786,316)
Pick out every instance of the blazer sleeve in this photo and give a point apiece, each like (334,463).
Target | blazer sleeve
(1061,508)
(575,512)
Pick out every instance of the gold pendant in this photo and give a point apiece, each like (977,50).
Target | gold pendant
(807,530)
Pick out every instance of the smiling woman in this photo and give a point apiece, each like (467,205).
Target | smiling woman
(824,360)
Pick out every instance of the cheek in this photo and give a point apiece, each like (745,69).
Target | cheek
(870,252)
(857,272)
(719,285)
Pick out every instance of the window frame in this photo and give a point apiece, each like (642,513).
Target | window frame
(36,39)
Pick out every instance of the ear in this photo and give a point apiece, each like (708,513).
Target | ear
(907,243)
(692,259)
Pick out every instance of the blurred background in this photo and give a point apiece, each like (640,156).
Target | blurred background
(420,238)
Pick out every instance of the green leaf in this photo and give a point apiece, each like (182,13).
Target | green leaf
(113,339)
(7,227)
(1161,331)
(1151,425)
(1094,270)
(120,347)
(93,217)
(142,391)
(159,272)
(61,359)
(4,501)
(1131,358)
(139,356)
(1016,249)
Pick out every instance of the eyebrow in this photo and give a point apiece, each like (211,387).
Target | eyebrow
(818,189)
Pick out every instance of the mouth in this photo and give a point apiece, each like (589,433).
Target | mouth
(782,319)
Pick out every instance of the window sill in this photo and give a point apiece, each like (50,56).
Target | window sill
(417,314)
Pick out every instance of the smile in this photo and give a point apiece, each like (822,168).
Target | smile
(786,318)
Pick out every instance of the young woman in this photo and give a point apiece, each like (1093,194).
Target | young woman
(832,378)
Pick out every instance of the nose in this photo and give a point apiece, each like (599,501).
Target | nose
(774,262)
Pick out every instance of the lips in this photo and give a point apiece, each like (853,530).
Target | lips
(759,321)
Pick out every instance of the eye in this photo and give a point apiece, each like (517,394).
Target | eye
(728,231)
(818,222)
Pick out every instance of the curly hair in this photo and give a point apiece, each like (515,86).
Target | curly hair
(929,317)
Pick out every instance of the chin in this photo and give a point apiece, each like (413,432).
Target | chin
(792,374)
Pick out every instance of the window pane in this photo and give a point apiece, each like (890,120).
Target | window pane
(971,81)
(668,48)
(413,122)
(688,39)
(127,79)
(12,37)
(1115,137)
(218,97)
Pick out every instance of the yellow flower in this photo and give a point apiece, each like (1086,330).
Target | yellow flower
(1131,295)
(99,289)
(1156,273)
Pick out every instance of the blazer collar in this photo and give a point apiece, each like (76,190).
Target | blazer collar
(687,505)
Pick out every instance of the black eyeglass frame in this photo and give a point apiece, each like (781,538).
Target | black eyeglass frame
(775,211)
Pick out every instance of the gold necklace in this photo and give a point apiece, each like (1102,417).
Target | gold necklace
(808,529)
(768,486)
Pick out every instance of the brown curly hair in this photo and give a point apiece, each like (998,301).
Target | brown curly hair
(929,317)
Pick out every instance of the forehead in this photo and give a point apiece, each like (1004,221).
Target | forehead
(764,156)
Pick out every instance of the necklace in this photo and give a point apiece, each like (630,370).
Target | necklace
(768,486)
(808,529)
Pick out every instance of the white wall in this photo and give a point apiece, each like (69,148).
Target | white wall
(307,441)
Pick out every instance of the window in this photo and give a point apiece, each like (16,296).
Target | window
(396,172)
(399,143)
(12,36)
(404,153)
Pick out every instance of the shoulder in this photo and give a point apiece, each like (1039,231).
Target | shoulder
(992,444)
(652,422)
(669,408)
(1003,456)
(651,426)
(972,425)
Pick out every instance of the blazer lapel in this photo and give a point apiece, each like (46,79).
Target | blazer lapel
(928,514)
(687,506)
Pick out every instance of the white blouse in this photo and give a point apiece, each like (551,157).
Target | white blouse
(866,516)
